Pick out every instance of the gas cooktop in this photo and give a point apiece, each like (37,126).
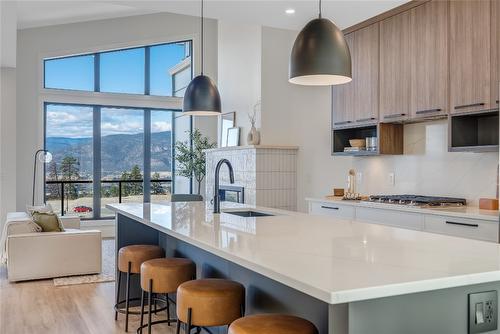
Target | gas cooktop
(416,200)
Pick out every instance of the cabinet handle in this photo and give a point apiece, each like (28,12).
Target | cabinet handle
(469,105)
(329,207)
(420,112)
(394,115)
(340,123)
(497,101)
(462,224)
(366,119)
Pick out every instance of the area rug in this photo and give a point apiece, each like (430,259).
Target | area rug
(108,268)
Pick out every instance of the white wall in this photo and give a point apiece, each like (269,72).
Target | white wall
(34,44)
(239,71)
(298,115)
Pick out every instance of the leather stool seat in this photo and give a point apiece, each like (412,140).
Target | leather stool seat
(167,274)
(272,324)
(136,255)
(213,302)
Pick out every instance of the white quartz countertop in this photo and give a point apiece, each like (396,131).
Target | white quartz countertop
(336,263)
(461,212)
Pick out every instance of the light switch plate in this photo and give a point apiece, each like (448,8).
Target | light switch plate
(483,312)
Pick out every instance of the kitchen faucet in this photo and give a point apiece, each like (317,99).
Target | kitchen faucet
(216,188)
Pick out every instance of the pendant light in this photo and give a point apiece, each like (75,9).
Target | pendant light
(201,97)
(320,55)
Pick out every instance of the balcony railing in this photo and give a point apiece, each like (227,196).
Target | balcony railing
(122,190)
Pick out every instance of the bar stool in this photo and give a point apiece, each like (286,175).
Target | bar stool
(209,302)
(130,259)
(163,276)
(272,324)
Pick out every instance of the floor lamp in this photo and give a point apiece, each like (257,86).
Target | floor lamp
(46,157)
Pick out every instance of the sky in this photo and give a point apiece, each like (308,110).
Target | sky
(73,121)
(120,72)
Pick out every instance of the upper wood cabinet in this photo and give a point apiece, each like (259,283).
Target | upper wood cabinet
(343,97)
(395,71)
(470,55)
(495,51)
(365,74)
(429,59)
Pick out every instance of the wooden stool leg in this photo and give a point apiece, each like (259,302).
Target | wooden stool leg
(189,321)
(127,293)
(150,293)
(118,293)
(143,293)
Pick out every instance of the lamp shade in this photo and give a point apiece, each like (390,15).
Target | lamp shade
(201,97)
(320,55)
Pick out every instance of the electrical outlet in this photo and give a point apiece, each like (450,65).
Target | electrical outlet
(483,312)
(391,179)
(359,177)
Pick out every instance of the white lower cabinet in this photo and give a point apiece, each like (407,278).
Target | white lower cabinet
(455,226)
(332,209)
(408,220)
(462,227)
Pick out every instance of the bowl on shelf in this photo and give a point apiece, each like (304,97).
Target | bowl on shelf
(360,143)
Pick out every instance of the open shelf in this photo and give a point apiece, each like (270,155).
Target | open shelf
(389,139)
(474,132)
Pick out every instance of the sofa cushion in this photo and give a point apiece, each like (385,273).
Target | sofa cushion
(48,221)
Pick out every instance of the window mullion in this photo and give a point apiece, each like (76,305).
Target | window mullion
(96,166)
(97,73)
(147,66)
(147,156)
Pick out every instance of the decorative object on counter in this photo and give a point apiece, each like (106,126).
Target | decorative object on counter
(338,192)
(371,144)
(352,197)
(202,96)
(351,182)
(488,203)
(253,137)
(226,121)
(191,160)
(233,137)
(320,55)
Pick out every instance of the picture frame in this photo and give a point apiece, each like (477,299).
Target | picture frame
(233,137)
(226,121)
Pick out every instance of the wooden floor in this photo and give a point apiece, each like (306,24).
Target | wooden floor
(40,307)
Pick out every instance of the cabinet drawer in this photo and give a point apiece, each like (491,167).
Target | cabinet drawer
(408,220)
(462,227)
(332,209)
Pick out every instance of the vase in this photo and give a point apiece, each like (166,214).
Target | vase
(253,137)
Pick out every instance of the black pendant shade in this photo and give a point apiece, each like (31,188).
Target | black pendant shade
(320,55)
(201,97)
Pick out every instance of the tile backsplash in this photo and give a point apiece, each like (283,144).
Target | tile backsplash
(268,174)
(428,168)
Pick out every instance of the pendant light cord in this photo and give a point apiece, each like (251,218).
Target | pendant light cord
(319,8)
(202,37)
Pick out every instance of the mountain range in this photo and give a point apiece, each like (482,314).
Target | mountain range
(119,152)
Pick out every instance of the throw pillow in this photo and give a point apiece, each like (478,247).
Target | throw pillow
(38,208)
(48,221)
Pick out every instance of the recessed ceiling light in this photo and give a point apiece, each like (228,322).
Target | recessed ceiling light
(290,11)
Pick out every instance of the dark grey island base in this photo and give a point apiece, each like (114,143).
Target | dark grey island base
(262,294)
(432,311)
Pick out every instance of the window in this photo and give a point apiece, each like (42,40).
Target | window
(122,71)
(71,136)
(76,73)
(112,152)
(162,70)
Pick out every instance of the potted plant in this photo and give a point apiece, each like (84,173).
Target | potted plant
(190,162)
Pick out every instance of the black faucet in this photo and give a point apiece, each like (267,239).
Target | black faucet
(216,188)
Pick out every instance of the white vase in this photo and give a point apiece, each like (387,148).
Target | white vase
(253,137)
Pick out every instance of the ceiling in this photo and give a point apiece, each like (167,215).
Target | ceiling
(344,13)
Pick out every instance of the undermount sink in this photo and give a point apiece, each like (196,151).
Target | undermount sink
(249,213)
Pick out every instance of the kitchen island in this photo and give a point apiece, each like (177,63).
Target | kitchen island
(346,277)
